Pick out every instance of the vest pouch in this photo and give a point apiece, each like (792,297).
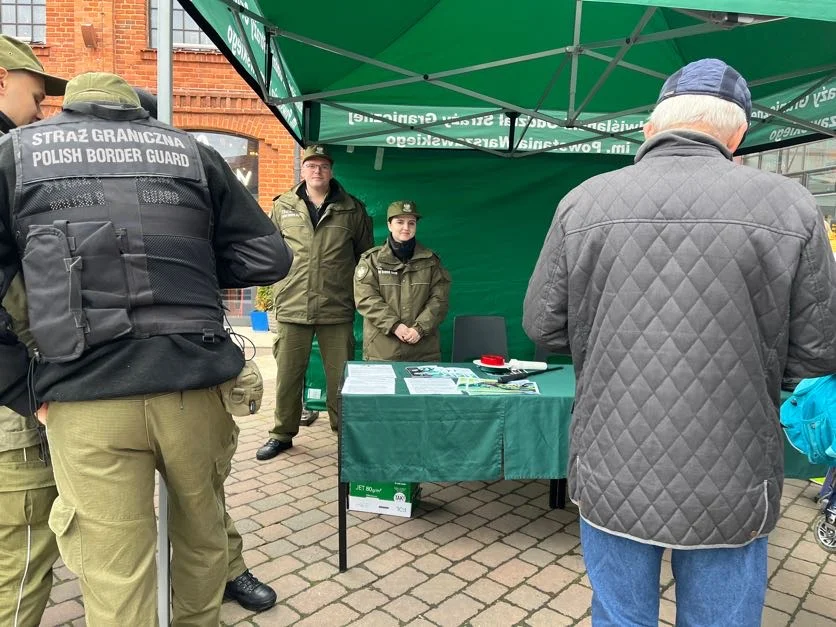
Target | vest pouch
(53,289)
(104,288)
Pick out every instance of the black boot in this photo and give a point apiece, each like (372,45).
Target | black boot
(250,593)
(272,448)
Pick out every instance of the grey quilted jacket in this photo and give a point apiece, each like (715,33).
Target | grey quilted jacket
(686,286)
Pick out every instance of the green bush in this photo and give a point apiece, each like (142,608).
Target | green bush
(264,299)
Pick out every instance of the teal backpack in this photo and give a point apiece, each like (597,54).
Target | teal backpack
(809,419)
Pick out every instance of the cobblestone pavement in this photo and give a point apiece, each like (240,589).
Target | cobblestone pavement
(476,554)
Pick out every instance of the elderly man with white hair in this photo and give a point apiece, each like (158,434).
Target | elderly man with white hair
(686,287)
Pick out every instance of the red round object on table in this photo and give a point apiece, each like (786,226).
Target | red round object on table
(493,360)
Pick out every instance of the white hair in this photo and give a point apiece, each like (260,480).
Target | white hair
(720,115)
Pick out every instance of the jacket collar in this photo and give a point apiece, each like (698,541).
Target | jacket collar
(336,193)
(387,257)
(6,123)
(682,143)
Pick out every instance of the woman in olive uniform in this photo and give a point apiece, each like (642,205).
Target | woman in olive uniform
(402,291)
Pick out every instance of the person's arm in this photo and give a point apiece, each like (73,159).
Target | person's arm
(545,309)
(14,357)
(368,299)
(249,250)
(435,309)
(811,351)
(364,235)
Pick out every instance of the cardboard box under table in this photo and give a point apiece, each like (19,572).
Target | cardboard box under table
(393,498)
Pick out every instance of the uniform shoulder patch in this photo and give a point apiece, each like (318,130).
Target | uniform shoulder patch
(361,271)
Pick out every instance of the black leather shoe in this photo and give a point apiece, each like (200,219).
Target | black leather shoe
(250,593)
(272,448)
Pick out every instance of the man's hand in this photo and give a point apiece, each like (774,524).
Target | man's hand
(413,336)
(42,412)
(406,334)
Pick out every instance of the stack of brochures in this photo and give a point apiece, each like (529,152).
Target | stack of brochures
(474,386)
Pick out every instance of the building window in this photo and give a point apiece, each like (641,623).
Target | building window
(241,153)
(185,32)
(24,19)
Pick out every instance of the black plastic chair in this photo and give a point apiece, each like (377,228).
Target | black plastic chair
(541,353)
(474,336)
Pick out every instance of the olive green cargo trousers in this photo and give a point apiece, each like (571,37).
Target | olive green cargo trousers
(292,351)
(27,546)
(104,454)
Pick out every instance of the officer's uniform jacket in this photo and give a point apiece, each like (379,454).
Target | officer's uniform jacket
(126,229)
(318,288)
(686,286)
(388,292)
(21,431)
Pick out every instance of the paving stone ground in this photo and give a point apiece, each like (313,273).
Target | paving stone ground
(477,553)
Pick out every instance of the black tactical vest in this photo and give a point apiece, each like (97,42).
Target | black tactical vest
(113,215)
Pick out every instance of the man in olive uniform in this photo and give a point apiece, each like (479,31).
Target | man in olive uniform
(402,291)
(126,229)
(328,229)
(241,585)
(27,487)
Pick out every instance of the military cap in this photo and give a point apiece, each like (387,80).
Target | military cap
(17,55)
(100,87)
(316,150)
(402,208)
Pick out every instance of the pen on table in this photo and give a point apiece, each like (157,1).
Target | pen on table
(505,378)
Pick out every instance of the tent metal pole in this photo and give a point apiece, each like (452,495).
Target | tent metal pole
(626,65)
(543,97)
(512,128)
(615,60)
(165,109)
(306,123)
(277,53)
(234,6)
(512,107)
(782,77)
(787,105)
(794,121)
(576,40)
(346,53)
(250,55)
(348,90)
(674,33)
(502,104)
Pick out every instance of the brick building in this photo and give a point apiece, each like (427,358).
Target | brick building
(210,99)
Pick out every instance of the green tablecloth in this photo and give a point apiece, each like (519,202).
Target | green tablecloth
(407,437)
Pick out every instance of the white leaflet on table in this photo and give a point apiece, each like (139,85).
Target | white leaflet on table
(371,370)
(431,385)
(368,385)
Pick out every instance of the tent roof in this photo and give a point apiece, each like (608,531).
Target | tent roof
(378,73)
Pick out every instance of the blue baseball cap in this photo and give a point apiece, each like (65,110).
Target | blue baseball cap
(709,77)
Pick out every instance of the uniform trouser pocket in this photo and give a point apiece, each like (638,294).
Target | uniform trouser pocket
(64,524)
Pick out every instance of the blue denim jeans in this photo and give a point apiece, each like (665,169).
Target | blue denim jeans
(714,587)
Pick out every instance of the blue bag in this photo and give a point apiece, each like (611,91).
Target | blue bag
(809,419)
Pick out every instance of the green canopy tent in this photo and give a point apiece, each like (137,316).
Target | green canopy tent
(485,113)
